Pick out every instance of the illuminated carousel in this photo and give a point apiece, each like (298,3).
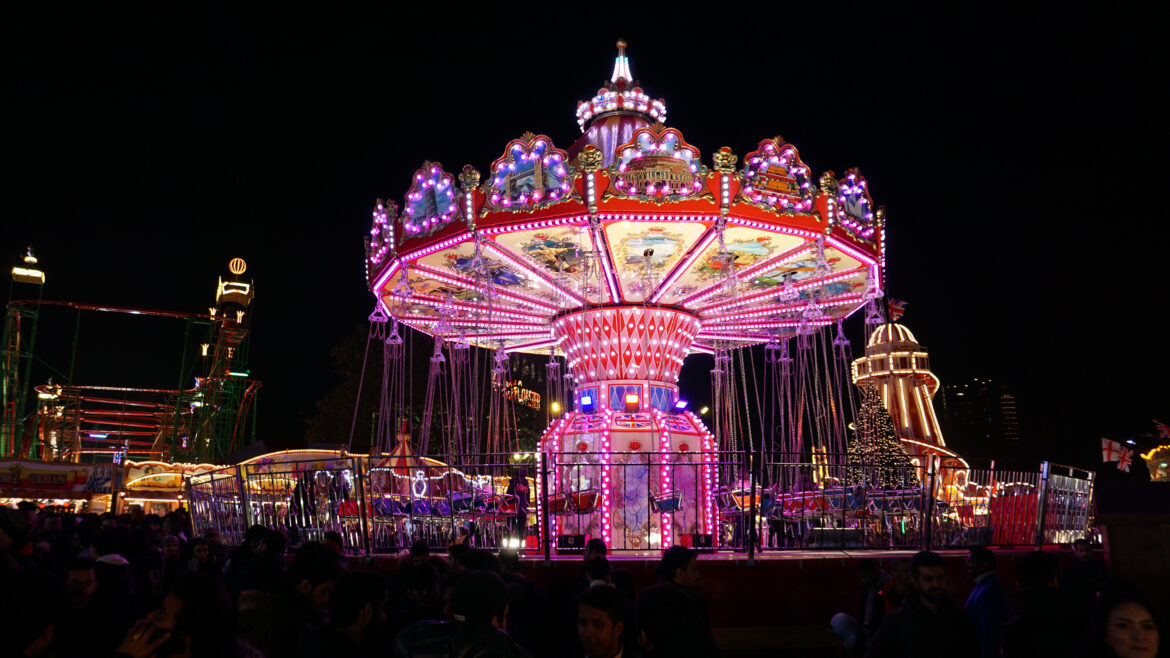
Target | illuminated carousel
(617,258)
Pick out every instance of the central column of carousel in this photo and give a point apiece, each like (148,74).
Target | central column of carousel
(629,464)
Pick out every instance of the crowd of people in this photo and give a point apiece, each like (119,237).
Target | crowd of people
(1074,611)
(143,586)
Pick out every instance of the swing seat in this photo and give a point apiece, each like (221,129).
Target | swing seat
(421,507)
(665,504)
(585,502)
(441,508)
(558,504)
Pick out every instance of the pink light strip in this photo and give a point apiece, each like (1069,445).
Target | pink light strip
(698,347)
(504,335)
(839,245)
(472,285)
(610,278)
(751,223)
(751,326)
(529,346)
(526,226)
(426,300)
(475,322)
(684,265)
(390,270)
(512,258)
(843,300)
(772,292)
(627,217)
(439,246)
(749,271)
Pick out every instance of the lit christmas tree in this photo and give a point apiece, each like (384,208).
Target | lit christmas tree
(875,454)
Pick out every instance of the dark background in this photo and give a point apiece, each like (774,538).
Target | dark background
(1015,153)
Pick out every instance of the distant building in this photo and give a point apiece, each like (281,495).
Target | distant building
(979,412)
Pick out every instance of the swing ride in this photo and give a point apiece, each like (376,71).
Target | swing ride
(617,258)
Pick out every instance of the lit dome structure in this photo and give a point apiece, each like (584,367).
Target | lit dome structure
(623,255)
(900,368)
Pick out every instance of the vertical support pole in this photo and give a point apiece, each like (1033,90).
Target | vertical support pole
(751,524)
(928,507)
(360,475)
(242,489)
(545,538)
(179,393)
(1041,504)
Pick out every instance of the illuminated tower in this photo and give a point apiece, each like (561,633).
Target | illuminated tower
(900,368)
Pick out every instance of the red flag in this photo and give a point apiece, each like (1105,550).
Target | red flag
(896,308)
(1163,430)
(1110,450)
(1125,459)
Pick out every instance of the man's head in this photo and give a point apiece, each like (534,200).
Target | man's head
(170,547)
(481,599)
(424,587)
(679,565)
(313,572)
(1083,549)
(200,549)
(1037,570)
(599,569)
(199,607)
(601,618)
(928,574)
(81,581)
(419,552)
(357,604)
(668,622)
(333,540)
(595,548)
(980,560)
(105,541)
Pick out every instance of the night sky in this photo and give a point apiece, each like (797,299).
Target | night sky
(1014,153)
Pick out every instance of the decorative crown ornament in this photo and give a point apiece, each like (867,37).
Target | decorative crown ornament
(591,158)
(725,160)
(829,183)
(469,178)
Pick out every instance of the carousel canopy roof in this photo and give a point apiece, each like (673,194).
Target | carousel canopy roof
(756,248)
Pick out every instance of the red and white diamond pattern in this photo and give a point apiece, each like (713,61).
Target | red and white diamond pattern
(628,342)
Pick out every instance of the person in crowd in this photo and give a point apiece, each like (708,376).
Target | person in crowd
(13,542)
(987,606)
(599,572)
(1080,580)
(668,624)
(423,599)
(202,558)
(855,633)
(30,605)
(928,622)
(240,560)
(195,620)
(116,588)
(594,548)
(217,549)
(86,628)
(478,628)
(277,622)
(1123,625)
(679,568)
(601,623)
(896,589)
(357,615)
(1040,624)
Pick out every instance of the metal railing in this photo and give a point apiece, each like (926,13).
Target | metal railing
(644,501)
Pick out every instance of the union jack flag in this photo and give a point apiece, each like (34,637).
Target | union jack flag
(587,423)
(677,424)
(896,308)
(632,421)
(1125,459)
(1163,430)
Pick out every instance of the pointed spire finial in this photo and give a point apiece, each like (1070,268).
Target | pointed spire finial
(621,66)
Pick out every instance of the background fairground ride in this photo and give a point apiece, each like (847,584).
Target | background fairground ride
(70,441)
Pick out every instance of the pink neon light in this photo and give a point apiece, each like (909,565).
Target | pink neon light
(684,265)
(528,346)
(713,321)
(749,271)
(545,223)
(390,270)
(772,292)
(426,251)
(475,308)
(837,244)
(610,278)
(471,284)
(699,347)
(508,256)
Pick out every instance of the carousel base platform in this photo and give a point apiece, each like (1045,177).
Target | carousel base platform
(778,604)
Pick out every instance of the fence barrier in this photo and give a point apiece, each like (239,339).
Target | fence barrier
(643,501)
